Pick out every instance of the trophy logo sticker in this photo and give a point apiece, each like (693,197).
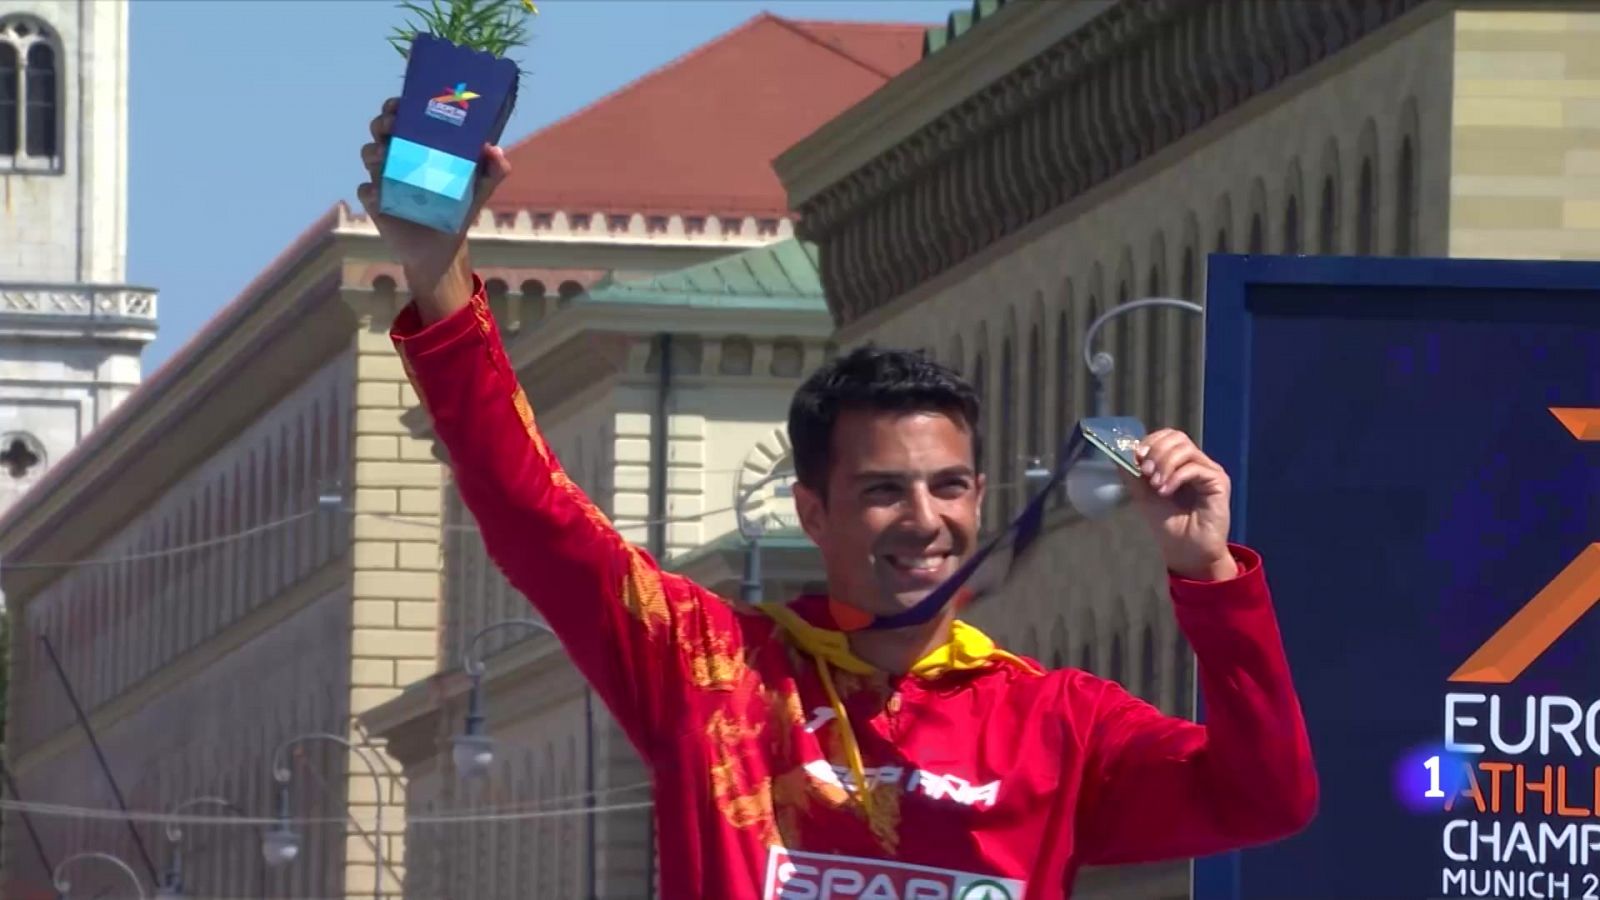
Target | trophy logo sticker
(451,106)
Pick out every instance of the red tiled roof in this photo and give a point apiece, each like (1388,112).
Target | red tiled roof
(698,136)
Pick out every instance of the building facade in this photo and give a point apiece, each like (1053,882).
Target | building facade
(688,391)
(272,574)
(71,330)
(1046,163)
(250,552)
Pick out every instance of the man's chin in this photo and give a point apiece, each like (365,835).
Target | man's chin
(894,602)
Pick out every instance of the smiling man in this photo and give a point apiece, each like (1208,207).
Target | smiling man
(797,752)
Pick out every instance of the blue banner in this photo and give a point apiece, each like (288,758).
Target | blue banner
(1415,448)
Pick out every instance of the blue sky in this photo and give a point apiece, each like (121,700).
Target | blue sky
(247,115)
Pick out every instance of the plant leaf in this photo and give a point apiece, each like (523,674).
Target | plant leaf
(492,26)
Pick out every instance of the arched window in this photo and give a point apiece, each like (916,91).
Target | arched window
(980,376)
(1147,664)
(1190,377)
(1035,375)
(1291,226)
(1115,668)
(1328,219)
(1182,688)
(1066,356)
(1405,206)
(30,91)
(1096,309)
(1006,448)
(1258,242)
(1058,644)
(1366,210)
(1156,364)
(1122,377)
(10,92)
(980,384)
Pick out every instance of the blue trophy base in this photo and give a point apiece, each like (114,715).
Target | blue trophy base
(427,186)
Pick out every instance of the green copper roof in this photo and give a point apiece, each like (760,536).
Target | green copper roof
(959,23)
(777,276)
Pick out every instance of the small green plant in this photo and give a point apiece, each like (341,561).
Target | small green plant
(490,26)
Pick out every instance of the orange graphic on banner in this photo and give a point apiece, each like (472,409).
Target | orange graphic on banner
(1583,423)
(1553,610)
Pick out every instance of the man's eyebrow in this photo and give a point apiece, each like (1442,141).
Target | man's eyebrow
(888,475)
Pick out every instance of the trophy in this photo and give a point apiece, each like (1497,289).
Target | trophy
(459,91)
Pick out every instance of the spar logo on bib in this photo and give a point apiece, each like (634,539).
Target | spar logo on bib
(793,875)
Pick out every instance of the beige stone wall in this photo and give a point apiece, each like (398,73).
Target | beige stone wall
(211,732)
(395,577)
(1260,171)
(1525,136)
(1318,165)
(536,846)
(180,650)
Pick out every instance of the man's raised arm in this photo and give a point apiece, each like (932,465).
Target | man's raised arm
(629,627)
(1158,787)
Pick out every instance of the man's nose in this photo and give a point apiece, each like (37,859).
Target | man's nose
(923,510)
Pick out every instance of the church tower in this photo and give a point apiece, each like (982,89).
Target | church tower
(71,330)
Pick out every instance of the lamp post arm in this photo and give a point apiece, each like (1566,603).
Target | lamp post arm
(281,773)
(1103,363)
(280,770)
(469,659)
(1106,361)
(62,886)
(175,833)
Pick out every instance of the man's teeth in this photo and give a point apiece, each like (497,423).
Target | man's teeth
(919,563)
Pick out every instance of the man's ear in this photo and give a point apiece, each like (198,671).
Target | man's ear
(812,511)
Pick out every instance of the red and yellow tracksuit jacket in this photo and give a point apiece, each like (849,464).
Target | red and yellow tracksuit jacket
(785,767)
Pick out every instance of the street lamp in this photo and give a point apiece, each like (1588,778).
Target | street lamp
(1101,364)
(173,882)
(752,530)
(58,878)
(472,750)
(280,845)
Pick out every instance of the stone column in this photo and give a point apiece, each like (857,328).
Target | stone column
(395,584)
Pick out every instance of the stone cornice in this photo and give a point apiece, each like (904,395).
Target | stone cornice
(923,94)
(585,227)
(515,260)
(1119,82)
(284,323)
(114,311)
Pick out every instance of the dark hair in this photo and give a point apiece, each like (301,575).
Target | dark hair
(875,379)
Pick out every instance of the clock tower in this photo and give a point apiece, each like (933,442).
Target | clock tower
(71,329)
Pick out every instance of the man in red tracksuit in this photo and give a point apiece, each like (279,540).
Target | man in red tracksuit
(798,755)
